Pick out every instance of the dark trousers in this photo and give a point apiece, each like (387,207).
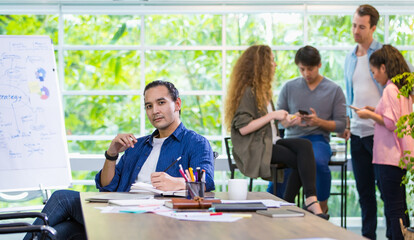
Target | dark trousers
(394,196)
(297,153)
(361,151)
(65,215)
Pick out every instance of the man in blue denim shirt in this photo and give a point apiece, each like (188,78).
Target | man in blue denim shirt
(362,90)
(145,159)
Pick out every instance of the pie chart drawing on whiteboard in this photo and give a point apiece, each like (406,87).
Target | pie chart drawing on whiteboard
(45,93)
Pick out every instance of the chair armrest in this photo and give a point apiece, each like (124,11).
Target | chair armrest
(31,228)
(42,216)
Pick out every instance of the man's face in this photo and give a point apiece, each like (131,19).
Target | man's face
(161,110)
(361,29)
(309,73)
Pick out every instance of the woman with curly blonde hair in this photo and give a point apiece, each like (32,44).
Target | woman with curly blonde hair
(250,116)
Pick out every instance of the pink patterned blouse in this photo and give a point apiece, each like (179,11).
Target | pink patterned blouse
(388,148)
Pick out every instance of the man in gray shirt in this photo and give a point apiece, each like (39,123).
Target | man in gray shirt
(318,108)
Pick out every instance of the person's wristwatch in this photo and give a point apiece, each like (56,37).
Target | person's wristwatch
(111,158)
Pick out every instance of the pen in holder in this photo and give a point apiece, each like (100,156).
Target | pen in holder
(195,189)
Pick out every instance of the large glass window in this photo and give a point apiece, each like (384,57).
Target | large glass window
(105,59)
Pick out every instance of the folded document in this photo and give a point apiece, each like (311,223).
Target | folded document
(141,186)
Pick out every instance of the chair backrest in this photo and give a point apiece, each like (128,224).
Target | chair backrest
(229,150)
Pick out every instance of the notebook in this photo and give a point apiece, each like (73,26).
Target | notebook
(281,212)
(239,207)
(105,197)
(146,187)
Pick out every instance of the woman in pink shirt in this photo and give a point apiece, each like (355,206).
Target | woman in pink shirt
(386,63)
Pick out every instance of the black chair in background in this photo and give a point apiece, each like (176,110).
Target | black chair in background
(336,161)
(232,165)
(44,231)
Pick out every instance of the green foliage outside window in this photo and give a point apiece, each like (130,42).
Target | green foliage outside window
(101,115)
(183,29)
(265,28)
(102,29)
(102,70)
(30,25)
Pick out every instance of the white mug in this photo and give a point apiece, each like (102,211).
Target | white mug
(237,189)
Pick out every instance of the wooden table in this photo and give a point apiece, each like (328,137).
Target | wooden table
(151,226)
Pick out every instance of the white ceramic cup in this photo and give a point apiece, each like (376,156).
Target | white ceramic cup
(237,189)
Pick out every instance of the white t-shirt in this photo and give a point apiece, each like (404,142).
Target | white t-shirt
(365,94)
(151,163)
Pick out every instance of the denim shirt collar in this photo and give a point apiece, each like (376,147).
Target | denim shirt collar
(177,134)
(372,48)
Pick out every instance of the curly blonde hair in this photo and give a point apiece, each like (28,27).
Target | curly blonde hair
(253,69)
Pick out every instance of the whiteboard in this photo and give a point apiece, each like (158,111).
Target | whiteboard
(33,147)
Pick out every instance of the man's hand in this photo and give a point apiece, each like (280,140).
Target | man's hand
(311,119)
(346,134)
(164,182)
(121,143)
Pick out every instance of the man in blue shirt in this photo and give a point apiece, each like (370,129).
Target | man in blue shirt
(362,90)
(145,159)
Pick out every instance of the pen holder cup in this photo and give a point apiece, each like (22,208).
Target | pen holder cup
(195,189)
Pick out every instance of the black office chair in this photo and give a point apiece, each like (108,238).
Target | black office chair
(45,231)
(232,165)
(343,165)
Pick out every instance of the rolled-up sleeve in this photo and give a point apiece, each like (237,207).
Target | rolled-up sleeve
(244,114)
(113,185)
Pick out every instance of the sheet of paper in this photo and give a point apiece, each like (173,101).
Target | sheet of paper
(137,202)
(105,197)
(201,216)
(144,209)
(270,203)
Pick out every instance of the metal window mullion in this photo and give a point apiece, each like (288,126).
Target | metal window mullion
(61,57)
(143,61)
(387,29)
(101,93)
(223,76)
(189,48)
(305,25)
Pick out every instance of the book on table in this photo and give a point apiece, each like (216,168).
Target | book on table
(281,212)
(180,203)
(239,207)
(146,187)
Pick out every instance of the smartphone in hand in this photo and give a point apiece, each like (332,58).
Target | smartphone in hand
(303,112)
(352,107)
